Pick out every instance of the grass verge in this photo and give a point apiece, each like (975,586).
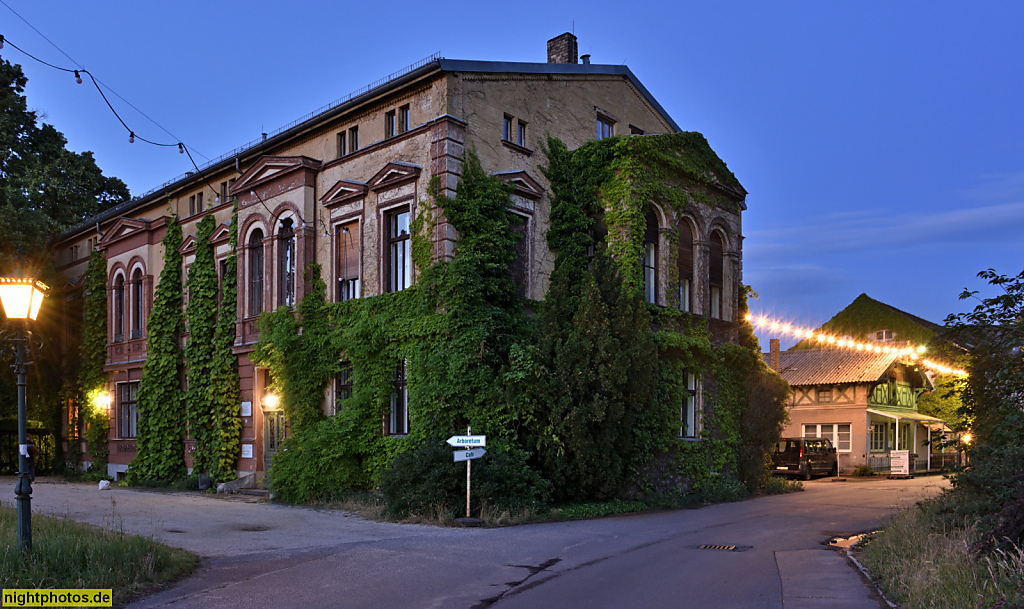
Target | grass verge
(921,562)
(68,554)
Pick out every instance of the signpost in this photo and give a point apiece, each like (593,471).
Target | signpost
(467,441)
(474,444)
(468,455)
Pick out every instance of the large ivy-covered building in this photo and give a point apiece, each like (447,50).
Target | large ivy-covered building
(343,187)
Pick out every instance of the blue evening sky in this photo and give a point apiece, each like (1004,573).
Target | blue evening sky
(881,142)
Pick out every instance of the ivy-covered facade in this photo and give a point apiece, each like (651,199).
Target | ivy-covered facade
(333,221)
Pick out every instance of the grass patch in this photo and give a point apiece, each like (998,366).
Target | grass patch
(69,554)
(921,562)
(578,511)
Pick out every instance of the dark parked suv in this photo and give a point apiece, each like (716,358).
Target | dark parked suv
(804,457)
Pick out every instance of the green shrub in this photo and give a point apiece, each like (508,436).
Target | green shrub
(426,480)
(863,470)
(777,485)
(317,465)
(716,489)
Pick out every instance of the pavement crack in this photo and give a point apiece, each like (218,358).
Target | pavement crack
(532,571)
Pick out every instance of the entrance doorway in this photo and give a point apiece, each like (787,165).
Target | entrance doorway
(273,435)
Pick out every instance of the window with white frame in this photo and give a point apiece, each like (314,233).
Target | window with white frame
(650,261)
(348,261)
(399,252)
(685,266)
(838,433)
(688,411)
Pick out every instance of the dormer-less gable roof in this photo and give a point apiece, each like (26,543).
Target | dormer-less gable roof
(522,184)
(270,168)
(394,174)
(121,229)
(344,191)
(221,234)
(833,366)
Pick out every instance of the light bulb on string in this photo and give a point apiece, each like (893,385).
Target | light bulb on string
(181,148)
(78,77)
(131,137)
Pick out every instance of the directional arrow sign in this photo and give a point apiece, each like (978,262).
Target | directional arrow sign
(466,455)
(467,441)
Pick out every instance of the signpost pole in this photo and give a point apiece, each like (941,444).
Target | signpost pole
(469,468)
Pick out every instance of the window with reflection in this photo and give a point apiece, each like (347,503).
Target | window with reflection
(119,308)
(685,266)
(716,275)
(348,261)
(650,260)
(138,304)
(256,272)
(286,263)
(399,258)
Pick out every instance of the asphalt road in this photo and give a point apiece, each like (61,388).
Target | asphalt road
(259,554)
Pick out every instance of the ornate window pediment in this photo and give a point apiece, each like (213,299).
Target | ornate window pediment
(343,192)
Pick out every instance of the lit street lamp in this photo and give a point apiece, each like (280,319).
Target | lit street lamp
(21,298)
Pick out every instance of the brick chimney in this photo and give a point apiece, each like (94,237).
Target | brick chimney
(563,49)
(773,354)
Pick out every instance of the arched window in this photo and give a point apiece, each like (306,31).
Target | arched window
(716,274)
(286,264)
(256,272)
(684,263)
(119,308)
(138,304)
(650,261)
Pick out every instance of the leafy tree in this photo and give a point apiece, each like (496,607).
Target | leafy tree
(44,187)
(161,400)
(993,486)
(596,387)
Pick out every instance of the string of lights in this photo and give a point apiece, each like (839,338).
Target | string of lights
(913,353)
(182,148)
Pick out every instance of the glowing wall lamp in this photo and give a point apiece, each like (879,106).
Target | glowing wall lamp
(21,298)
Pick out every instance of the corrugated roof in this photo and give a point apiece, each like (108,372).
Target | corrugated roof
(823,366)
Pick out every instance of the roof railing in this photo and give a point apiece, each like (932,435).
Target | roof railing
(319,111)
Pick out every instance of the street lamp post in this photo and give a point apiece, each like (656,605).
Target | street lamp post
(21,298)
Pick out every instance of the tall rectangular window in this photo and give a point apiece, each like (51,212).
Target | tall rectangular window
(199,203)
(403,119)
(390,127)
(343,386)
(192,205)
(879,436)
(353,139)
(605,127)
(129,398)
(342,149)
(650,256)
(688,412)
(223,192)
(348,261)
(506,128)
(256,272)
(684,264)
(521,133)
(398,421)
(286,264)
(399,258)
(520,266)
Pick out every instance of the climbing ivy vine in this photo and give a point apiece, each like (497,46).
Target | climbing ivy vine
(93,354)
(225,394)
(201,314)
(587,391)
(159,441)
